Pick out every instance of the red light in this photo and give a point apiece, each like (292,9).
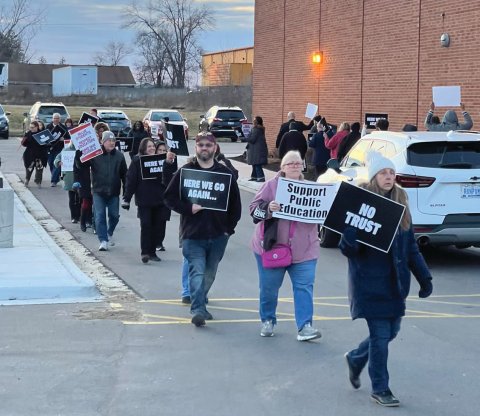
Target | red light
(412,181)
(217,119)
(244,120)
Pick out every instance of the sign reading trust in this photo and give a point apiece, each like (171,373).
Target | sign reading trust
(304,201)
(375,217)
(208,189)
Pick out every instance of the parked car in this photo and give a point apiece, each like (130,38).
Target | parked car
(44,111)
(439,171)
(154,118)
(224,122)
(117,120)
(4,123)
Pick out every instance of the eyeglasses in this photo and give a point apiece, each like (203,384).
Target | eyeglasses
(293,164)
(207,145)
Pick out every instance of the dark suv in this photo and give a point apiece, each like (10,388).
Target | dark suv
(4,128)
(224,122)
(117,120)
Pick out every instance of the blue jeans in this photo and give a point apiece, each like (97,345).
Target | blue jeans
(374,349)
(203,257)
(302,276)
(102,204)
(185,287)
(257,172)
(53,170)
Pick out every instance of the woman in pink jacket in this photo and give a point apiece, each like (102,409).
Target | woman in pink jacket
(304,246)
(334,143)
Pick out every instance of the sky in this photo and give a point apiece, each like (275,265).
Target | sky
(76,29)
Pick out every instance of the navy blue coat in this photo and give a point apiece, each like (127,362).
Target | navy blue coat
(379,282)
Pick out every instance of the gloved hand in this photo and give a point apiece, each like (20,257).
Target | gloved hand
(426,289)
(125,205)
(76,185)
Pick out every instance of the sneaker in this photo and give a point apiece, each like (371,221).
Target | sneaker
(145,258)
(208,316)
(154,257)
(186,300)
(27,182)
(111,241)
(307,333)
(353,375)
(83,227)
(39,185)
(103,246)
(267,329)
(161,248)
(53,184)
(252,180)
(385,398)
(74,220)
(198,320)
(261,180)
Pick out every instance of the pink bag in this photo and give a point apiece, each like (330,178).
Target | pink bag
(280,255)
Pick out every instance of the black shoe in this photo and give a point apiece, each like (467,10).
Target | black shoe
(353,375)
(145,258)
(261,180)
(385,398)
(154,257)
(186,300)
(198,320)
(252,180)
(83,227)
(208,316)
(161,248)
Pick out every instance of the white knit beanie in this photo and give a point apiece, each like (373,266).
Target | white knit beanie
(376,162)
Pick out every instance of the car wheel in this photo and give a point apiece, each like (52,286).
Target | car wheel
(328,239)
(234,139)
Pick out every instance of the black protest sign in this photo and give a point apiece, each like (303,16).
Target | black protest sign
(175,138)
(58,132)
(372,118)
(88,118)
(44,137)
(152,166)
(125,144)
(211,190)
(376,218)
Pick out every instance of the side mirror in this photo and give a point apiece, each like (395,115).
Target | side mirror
(334,164)
(8,113)
(202,116)
(25,114)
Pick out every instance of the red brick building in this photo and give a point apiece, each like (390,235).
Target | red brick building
(380,56)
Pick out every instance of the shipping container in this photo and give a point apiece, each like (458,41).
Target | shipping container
(74,80)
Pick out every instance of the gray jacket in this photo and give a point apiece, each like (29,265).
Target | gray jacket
(449,122)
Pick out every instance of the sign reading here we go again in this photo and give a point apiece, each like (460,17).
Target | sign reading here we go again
(375,217)
(211,190)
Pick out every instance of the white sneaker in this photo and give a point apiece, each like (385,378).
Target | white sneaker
(103,246)
(111,241)
(308,333)
(267,329)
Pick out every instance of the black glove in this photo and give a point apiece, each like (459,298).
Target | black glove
(125,205)
(426,289)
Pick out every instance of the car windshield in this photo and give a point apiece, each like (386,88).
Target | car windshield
(113,116)
(160,115)
(48,111)
(230,114)
(448,155)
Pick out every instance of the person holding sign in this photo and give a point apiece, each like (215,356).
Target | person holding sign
(55,148)
(304,249)
(204,232)
(449,121)
(35,155)
(379,283)
(152,211)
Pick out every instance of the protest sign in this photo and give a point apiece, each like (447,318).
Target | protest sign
(376,218)
(58,132)
(125,144)
(246,129)
(44,137)
(447,96)
(175,138)
(372,118)
(66,143)
(85,139)
(211,190)
(304,201)
(68,159)
(88,118)
(311,110)
(152,166)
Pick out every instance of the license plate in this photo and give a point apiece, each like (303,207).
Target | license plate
(231,123)
(471,191)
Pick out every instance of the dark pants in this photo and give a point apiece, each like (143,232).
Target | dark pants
(152,228)
(38,174)
(257,172)
(74,204)
(54,170)
(86,214)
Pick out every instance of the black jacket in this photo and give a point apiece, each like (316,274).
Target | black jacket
(285,127)
(206,223)
(138,136)
(33,150)
(293,140)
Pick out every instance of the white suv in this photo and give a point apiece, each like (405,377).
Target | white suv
(439,171)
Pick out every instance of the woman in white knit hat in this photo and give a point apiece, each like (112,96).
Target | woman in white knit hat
(379,284)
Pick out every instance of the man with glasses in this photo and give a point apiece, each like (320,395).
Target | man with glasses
(204,232)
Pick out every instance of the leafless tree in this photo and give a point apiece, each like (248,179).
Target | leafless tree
(175,24)
(42,60)
(152,67)
(19,23)
(112,54)
(62,61)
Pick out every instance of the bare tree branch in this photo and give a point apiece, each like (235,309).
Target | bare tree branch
(112,54)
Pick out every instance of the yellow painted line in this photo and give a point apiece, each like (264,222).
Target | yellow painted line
(440,314)
(175,318)
(444,302)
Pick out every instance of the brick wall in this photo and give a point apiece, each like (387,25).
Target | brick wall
(380,56)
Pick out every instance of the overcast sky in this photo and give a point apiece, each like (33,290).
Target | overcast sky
(76,29)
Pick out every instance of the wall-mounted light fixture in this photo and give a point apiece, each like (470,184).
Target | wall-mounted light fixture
(317,57)
(445,38)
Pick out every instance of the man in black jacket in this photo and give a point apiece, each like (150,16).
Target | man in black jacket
(56,147)
(285,127)
(204,232)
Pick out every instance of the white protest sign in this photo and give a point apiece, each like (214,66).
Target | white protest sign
(311,110)
(447,96)
(246,128)
(68,158)
(304,201)
(85,139)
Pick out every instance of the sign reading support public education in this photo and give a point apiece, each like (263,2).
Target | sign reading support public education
(175,138)
(125,144)
(376,218)
(88,118)
(68,158)
(85,139)
(372,118)
(152,166)
(44,137)
(211,190)
(304,201)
